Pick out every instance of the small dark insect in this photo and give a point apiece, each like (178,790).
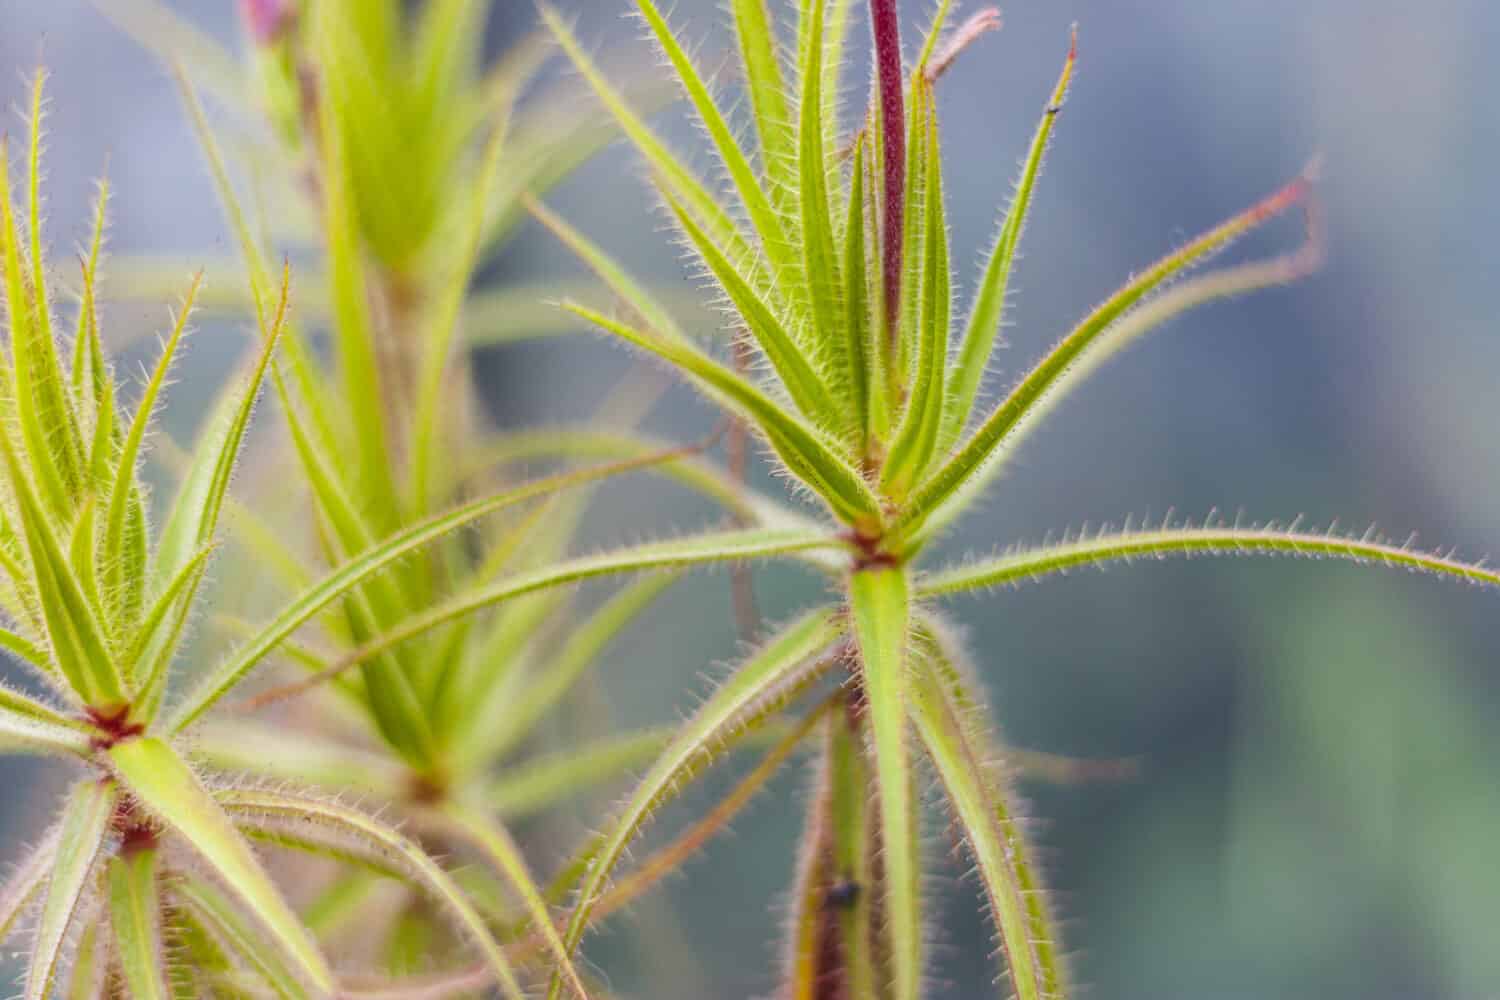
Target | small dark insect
(841,894)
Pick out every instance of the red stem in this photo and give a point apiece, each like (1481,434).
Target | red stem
(887,31)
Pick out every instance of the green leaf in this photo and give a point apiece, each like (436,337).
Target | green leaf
(760,686)
(542,782)
(774,240)
(652,313)
(229,928)
(85,824)
(761,59)
(687,188)
(987,314)
(135,913)
(360,568)
(40,409)
(90,964)
(859,351)
(1161,308)
(697,550)
(998,426)
(981,804)
(819,259)
(787,357)
(302,821)
(26,651)
(78,642)
(585,642)
(200,498)
(161,628)
(502,853)
(807,455)
(304,371)
(26,882)
(29,725)
(159,780)
(275,750)
(916,438)
(880,601)
(590,442)
(124,488)
(1023,565)
(363,389)
(438,342)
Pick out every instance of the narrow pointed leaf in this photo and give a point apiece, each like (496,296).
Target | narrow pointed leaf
(987,314)
(361,567)
(26,724)
(703,204)
(917,437)
(763,217)
(126,472)
(159,780)
(498,848)
(26,882)
(303,817)
(200,498)
(1026,565)
(161,627)
(997,427)
(26,651)
(582,649)
(794,367)
(700,550)
(86,978)
(240,937)
(78,642)
(758,687)
(36,377)
(1154,312)
(364,392)
(881,606)
(85,824)
(438,342)
(859,351)
(656,317)
(981,804)
(135,914)
(545,781)
(819,259)
(761,59)
(803,449)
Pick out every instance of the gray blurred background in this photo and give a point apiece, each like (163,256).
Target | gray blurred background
(1318,814)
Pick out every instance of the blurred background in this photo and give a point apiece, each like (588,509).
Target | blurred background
(1317,813)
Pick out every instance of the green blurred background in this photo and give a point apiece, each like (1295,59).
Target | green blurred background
(1317,814)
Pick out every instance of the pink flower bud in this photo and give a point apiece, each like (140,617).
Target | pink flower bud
(268,20)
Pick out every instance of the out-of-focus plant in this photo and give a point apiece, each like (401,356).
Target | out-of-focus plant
(413,104)
(148,878)
(447,716)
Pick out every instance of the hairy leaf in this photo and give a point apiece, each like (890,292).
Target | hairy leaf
(987,314)
(85,824)
(881,604)
(1025,565)
(135,913)
(159,780)
(308,820)
(759,686)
